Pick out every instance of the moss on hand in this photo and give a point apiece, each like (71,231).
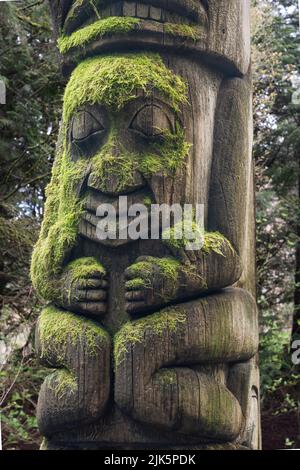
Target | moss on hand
(168,320)
(83,268)
(99,29)
(114,79)
(183,31)
(146,271)
(137,283)
(58,328)
(215,242)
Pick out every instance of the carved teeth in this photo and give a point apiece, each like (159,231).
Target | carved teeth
(155,13)
(140,10)
(129,9)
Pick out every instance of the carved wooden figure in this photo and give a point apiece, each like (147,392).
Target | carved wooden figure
(154,345)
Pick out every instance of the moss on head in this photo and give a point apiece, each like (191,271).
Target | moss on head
(166,321)
(59,328)
(98,30)
(114,79)
(149,271)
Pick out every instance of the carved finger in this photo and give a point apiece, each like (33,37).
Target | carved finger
(97,274)
(132,307)
(92,308)
(135,284)
(133,272)
(93,284)
(135,295)
(92,295)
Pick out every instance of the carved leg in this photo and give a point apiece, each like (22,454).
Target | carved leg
(78,392)
(157,358)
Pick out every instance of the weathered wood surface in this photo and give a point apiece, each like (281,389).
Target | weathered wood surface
(166,361)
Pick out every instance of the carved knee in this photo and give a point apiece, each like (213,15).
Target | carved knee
(78,392)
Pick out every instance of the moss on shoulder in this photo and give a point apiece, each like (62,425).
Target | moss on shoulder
(134,332)
(99,29)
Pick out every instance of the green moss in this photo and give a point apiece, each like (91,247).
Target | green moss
(147,201)
(83,267)
(137,283)
(184,31)
(216,242)
(60,226)
(169,271)
(134,332)
(58,328)
(167,156)
(169,267)
(212,241)
(98,30)
(167,377)
(64,382)
(106,164)
(164,157)
(113,80)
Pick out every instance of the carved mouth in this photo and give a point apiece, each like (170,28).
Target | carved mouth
(90,220)
(83,13)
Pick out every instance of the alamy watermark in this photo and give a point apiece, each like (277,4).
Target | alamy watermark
(2,92)
(151,222)
(296,353)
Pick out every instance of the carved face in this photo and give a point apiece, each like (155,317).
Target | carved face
(154,12)
(124,147)
(217,30)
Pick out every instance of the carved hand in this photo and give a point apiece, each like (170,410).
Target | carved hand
(151,283)
(84,288)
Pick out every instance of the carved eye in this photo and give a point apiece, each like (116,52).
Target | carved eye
(151,121)
(85,124)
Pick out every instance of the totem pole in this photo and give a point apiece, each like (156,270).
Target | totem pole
(154,345)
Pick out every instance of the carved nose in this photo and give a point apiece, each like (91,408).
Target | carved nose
(115,174)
